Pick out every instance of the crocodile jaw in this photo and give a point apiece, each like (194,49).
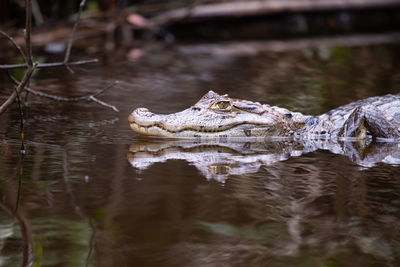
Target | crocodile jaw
(191,124)
(235,132)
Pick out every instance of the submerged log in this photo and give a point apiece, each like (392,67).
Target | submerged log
(248,48)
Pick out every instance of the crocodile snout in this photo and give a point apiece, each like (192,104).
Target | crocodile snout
(139,113)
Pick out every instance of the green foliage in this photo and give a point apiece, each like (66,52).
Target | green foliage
(18,73)
(92,6)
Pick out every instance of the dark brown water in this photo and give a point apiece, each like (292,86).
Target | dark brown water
(93,194)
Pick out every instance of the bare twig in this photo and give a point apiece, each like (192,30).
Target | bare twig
(36,13)
(91,97)
(16,92)
(29,60)
(65,62)
(15,44)
(28,29)
(98,101)
(49,65)
(99,92)
(71,38)
(25,81)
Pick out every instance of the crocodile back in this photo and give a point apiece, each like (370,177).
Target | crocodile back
(381,111)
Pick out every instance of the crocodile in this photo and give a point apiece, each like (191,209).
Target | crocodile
(217,116)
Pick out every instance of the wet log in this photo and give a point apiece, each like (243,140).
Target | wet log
(257,8)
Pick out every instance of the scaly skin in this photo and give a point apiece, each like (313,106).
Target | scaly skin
(219,116)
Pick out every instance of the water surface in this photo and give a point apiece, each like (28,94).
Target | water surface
(92,193)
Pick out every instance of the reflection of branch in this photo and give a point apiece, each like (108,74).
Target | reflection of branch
(20,172)
(91,242)
(19,215)
(77,208)
(26,234)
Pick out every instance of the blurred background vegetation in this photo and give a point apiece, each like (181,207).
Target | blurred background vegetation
(281,19)
(12,12)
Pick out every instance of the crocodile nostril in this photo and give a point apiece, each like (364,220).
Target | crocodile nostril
(143,112)
(140,110)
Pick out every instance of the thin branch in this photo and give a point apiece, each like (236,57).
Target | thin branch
(98,101)
(14,43)
(69,68)
(29,60)
(91,97)
(16,92)
(28,30)
(49,65)
(71,38)
(36,13)
(21,116)
(99,92)
(31,66)
(18,89)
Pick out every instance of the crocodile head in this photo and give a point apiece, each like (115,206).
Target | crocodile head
(218,116)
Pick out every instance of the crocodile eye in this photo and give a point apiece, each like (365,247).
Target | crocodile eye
(222,105)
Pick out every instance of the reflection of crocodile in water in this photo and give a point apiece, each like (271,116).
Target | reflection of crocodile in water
(219,160)
(219,116)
